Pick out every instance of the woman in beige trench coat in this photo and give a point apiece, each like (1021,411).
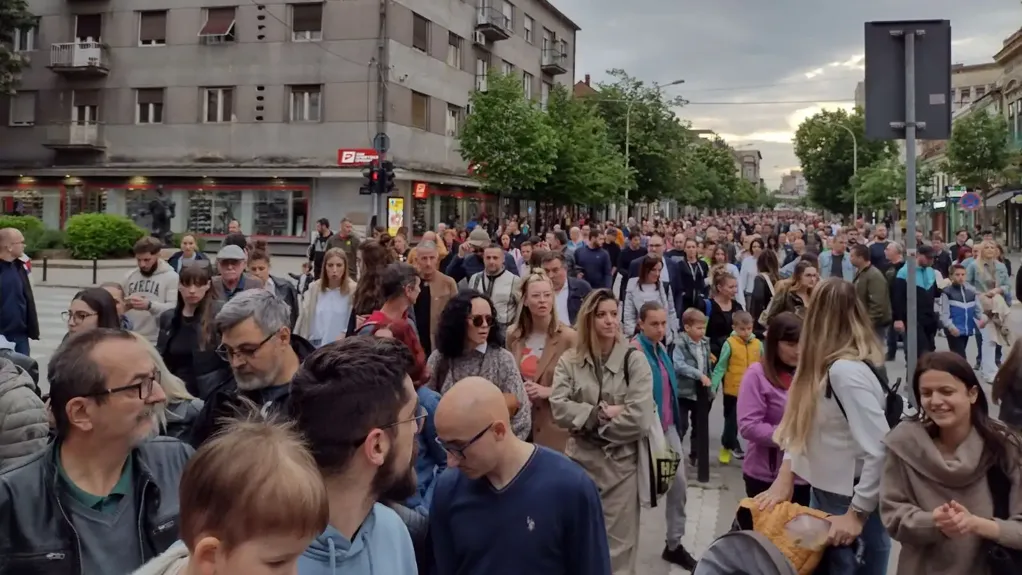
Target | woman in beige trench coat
(606,417)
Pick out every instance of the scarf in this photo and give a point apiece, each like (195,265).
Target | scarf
(656,354)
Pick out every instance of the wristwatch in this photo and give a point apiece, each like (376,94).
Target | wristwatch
(859,514)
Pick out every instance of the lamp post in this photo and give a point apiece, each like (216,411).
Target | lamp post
(855,170)
(628,130)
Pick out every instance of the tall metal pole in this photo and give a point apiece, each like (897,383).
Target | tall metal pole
(912,323)
(855,170)
(628,145)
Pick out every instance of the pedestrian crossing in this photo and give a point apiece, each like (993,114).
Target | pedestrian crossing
(50,302)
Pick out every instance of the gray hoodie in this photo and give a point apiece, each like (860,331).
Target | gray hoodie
(171,562)
(160,289)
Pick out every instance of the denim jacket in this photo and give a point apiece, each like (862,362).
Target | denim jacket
(847,269)
(686,364)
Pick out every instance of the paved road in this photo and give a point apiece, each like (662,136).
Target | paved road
(50,303)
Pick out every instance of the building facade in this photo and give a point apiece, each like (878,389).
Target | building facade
(747,163)
(264,113)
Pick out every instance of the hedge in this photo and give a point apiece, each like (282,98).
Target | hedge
(25,224)
(44,240)
(98,236)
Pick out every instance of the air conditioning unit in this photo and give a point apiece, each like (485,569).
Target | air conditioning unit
(479,39)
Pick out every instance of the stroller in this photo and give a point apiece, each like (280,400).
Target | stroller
(743,553)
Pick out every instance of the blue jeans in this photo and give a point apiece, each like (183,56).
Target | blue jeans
(20,344)
(877,543)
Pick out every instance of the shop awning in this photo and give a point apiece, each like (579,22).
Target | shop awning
(1000,197)
(219,22)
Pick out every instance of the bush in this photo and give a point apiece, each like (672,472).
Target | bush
(37,241)
(97,236)
(200,242)
(25,224)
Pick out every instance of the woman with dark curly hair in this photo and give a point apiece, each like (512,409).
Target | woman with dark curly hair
(373,257)
(473,345)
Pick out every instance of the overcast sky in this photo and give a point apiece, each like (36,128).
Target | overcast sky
(755,51)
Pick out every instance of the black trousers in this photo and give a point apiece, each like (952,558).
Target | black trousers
(957,344)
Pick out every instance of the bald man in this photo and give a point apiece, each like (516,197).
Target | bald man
(18,320)
(505,506)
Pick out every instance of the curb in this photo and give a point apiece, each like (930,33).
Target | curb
(62,286)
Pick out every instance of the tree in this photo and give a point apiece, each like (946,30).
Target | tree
(824,148)
(14,16)
(883,183)
(508,137)
(710,176)
(978,154)
(588,168)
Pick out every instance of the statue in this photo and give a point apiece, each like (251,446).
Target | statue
(162,210)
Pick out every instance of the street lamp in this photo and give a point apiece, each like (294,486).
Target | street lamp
(855,170)
(628,129)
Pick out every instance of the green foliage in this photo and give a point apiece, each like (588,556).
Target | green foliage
(709,176)
(200,241)
(508,137)
(24,224)
(588,169)
(824,149)
(14,15)
(883,183)
(97,236)
(37,241)
(978,153)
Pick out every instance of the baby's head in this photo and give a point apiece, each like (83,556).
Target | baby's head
(742,323)
(252,499)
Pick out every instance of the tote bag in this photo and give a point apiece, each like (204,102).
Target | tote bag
(658,463)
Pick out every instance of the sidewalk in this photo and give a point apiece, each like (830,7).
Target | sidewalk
(68,273)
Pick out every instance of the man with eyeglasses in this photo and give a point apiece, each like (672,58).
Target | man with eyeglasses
(18,320)
(357,409)
(568,291)
(102,497)
(498,488)
(264,355)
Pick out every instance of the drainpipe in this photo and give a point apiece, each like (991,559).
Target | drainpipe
(382,70)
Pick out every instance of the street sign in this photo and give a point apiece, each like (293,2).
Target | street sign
(955,192)
(356,157)
(381,143)
(970,201)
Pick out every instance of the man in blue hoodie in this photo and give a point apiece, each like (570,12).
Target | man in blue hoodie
(363,382)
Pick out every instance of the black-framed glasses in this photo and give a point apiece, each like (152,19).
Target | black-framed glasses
(77,316)
(144,387)
(245,353)
(459,450)
(481,320)
(419,418)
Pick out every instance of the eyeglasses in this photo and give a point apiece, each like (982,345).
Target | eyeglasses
(246,353)
(419,419)
(77,316)
(144,387)
(481,320)
(459,450)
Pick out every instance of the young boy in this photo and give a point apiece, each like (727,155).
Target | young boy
(741,350)
(693,366)
(252,500)
(960,313)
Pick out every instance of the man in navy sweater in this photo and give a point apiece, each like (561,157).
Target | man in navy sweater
(504,506)
(592,262)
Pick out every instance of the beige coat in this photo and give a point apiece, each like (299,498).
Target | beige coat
(441,289)
(917,479)
(544,431)
(608,450)
(307,314)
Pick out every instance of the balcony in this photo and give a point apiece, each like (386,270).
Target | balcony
(554,62)
(493,24)
(81,59)
(76,137)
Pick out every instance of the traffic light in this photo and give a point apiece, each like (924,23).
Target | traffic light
(372,178)
(387,177)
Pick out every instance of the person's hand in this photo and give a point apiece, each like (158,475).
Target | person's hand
(706,381)
(844,529)
(982,322)
(899,326)
(612,411)
(536,391)
(960,521)
(464,249)
(779,492)
(953,331)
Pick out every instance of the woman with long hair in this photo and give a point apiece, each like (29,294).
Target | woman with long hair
(374,256)
(748,269)
(761,401)
(692,272)
(1007,389)
(792,294)
(763,287)
(989,277)
(327,306)
(720,258)
(182,408)
(473,345)
(946,474)
(722,306)
(188,337)
(603,396)
(834,425)
(538,340)
(647,287)
(91,308)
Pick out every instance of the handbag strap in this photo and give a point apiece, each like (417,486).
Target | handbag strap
(1000,491)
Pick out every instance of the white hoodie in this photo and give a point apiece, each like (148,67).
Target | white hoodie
(160,288)
(171,562)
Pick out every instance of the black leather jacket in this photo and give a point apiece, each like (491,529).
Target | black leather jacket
(287,291)
(36,534)
(209,368)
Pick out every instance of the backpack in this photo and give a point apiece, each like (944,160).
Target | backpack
(894,403)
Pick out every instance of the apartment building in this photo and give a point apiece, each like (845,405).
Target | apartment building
(747,162)
(970,83)
(263,112)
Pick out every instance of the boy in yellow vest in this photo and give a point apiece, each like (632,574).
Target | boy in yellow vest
(741,350)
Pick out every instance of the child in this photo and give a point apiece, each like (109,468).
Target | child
(693,366)
(740,350)
(960,313)
(251,501)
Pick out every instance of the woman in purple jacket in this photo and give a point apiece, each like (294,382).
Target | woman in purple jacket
(761,401)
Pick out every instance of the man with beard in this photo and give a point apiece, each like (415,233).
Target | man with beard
(150,289)
(263,353)
(499,488)
(102,497)
(362,382)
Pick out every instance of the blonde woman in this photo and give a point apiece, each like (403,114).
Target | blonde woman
(834,425)
(537,340)
(326,307)
(989,277)
(176,417)
(603,395)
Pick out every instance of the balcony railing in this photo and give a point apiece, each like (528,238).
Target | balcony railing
(76,136)
(79,57)
(493,23)
(554,61)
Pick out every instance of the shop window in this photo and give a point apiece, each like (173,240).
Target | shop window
(210,211)
(82,200)
(23,202)
(136,207)
(278,212)
(449,210)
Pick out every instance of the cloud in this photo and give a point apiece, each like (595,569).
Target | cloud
(755,52)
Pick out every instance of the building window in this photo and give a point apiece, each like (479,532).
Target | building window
(482,71)
(528,24)
(453,50)
(453,120)
(22,111)
(23,40)
(563,45)
(305,103)
(152,28)
(420,33)
(217,105)
(85,107)
(544,95)
(219,26)
(548,39)
(508,9)
(420,111)
(527,85)
(149,109)
(89,27)
(506,68)
(966,96)
(980,91)
(306,22)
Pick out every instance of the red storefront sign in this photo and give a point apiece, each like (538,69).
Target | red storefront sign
(356,157)
(421,191)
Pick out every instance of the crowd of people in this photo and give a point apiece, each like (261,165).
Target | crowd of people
(399,409)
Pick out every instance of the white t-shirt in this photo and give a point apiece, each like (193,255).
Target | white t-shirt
(331,316)
(561,305)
